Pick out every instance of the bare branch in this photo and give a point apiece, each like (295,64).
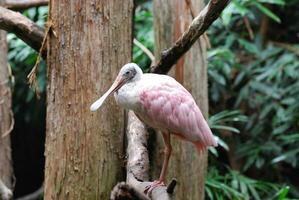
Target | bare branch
(5,192)
(248,27)
(287,46)
(23,27)
(198,26)
(145,50)
(138,162)
(24,4)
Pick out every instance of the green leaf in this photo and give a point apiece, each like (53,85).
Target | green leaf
(283,193)
(278,2)
(226,14)
(267,12)
(227,128)
(250,47)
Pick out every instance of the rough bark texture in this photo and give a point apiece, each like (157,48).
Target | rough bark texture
(6,121)
(84,150)
(172,18)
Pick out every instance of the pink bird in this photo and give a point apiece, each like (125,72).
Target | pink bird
(162,103)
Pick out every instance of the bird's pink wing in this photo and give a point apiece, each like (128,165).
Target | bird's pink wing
(170,106)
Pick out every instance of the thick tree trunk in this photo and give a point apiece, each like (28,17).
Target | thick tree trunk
(84,150)
(172,18)
(6,120)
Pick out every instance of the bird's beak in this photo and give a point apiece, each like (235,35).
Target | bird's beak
(119,81)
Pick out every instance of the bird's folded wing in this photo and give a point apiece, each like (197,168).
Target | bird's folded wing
(171,106)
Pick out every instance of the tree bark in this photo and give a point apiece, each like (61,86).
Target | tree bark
(84,150)
(172,18)
(6,122)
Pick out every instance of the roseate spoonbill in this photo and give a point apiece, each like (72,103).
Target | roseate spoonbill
(162,103)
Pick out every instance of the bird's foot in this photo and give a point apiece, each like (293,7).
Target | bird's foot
(148,189)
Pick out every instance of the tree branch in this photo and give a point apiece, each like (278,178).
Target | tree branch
(145,50)
(5,192)
(23,27)
(24,4)
(138,162)
(198,26)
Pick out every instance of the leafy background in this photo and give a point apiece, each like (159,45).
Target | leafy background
(253,96)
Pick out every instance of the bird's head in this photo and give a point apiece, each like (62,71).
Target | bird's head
(128,73)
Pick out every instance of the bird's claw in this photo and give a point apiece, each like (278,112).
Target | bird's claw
(148,189)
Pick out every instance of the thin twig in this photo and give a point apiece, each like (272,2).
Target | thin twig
(287,46)
(32,75)
(145,50)
(10,75)
(248,27)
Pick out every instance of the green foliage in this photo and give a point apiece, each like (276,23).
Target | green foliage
(263,82)
(224,121)
(143,31)
(233,185)
(241,8)
(271,78)
(22,58)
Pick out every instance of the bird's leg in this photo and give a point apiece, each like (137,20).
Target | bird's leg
(167,153)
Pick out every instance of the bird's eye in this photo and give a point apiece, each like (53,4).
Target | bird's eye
(128,72)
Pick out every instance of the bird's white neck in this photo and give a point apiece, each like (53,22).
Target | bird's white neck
(127,95)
